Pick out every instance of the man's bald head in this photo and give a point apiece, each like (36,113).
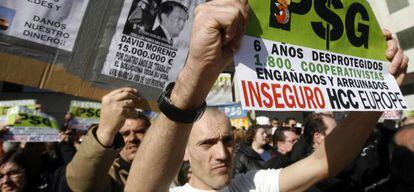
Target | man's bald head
(210,151)
(211,115)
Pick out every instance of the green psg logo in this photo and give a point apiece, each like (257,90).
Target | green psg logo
(333,26)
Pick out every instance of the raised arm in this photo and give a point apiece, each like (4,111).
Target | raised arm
(217,30)
(88,170)
(346,141)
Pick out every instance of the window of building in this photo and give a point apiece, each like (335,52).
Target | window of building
(406,38)
(395,5)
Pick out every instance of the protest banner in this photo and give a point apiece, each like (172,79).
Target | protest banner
(150,44)
(53,23)
(30,126)
(5,105)
(85,113)
(221,92)
(238,116)
(315,55)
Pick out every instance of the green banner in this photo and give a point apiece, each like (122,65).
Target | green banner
(342,26)
(85,113)
(30,126)
(5,105)
(19,116)
(85,109)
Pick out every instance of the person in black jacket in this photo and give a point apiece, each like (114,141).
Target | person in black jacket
(283,139)
(251,154)
(401,178)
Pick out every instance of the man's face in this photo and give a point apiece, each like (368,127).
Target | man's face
(260,137)
(286,146)
(291,123)
(133,132)
(210,151)
(275,123)
(12,177)
(174,22)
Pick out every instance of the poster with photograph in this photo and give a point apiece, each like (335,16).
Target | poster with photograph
(150,44)
(53,23)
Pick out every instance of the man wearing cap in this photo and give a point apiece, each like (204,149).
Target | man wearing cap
(171,17)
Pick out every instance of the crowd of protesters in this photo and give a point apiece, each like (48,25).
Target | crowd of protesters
(384,163)
(128,152)
(367,172)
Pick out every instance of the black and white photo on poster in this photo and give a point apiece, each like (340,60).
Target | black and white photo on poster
(150,44)
(162,21)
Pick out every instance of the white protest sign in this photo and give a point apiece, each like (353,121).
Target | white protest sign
(308,82)
(53,23)
(150,45)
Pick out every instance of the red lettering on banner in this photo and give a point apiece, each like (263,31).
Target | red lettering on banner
(246,98)
(301,102)
(256,93)
(269,102)
(289,100)
(276,96)
(284,96)
(309,97)
(319,98)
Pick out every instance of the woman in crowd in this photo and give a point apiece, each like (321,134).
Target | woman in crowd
(251,154)
(15,172)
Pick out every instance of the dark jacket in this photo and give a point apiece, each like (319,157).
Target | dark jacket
(300,150)
(247,159)
(278,161)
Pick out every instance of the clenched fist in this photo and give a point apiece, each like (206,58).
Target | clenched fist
(117,106)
